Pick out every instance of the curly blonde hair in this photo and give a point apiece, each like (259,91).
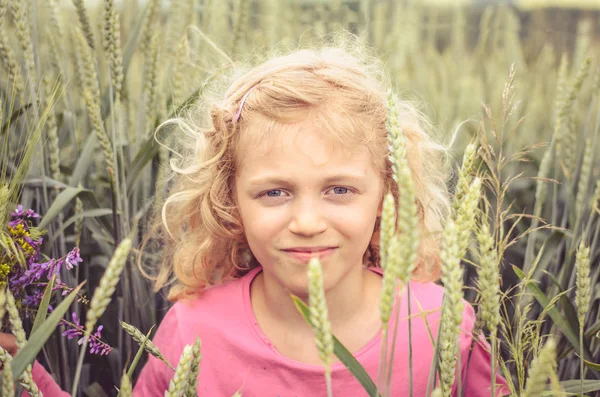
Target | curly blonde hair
(344,89)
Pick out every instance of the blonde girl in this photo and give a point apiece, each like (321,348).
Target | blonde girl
(287,163)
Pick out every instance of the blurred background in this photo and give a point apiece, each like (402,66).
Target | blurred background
(100,168)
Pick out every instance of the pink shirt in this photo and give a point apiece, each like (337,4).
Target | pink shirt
(236,355)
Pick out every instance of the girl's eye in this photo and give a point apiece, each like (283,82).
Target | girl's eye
(273,193)
(340,190)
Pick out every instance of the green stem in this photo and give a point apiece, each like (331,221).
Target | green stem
(79,365)
(328,381)
(396,317)
(382,358)
(410,352)
(581,358)
(493,340)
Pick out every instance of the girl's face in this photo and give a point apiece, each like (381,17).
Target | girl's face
(300,195)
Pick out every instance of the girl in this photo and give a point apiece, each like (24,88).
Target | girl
(294,165)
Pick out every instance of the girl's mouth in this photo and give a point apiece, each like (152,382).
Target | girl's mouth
(305,254)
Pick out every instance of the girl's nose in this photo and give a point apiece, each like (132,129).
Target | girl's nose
(307,219)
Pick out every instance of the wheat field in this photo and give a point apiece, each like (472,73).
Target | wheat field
(515,92)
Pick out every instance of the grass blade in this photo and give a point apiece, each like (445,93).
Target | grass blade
(29,352)
(43,308)
(573,386)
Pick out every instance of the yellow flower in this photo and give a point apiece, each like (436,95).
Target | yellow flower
(4,271)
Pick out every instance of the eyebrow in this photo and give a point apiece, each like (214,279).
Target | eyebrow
(277,180)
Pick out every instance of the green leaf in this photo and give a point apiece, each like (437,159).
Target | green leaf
(85,214)
(61,201)
(85,160)
(592,365)
(65,197)
(29,352)
(343,355)
(566,304)
(556,316)
(574,386)
(42,310)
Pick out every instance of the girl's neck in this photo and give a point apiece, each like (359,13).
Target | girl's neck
(354,296)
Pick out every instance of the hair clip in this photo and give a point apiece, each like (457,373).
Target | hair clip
(239,112)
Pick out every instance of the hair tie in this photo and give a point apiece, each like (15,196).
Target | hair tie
(239,112)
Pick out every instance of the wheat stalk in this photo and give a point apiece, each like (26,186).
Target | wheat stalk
(140,338)
(465,175)
(112,46)
(4,202)
(455,240)
(151,25)
(53,144)
(582,294)
(151,80)
(453,307)
(178,384)
(489,287)
(542,367)
(541,188)
(91,93)
(85,23)
(178,71)
(19,13)
(126,389)
(318,317)
(8,58)
(101,299)
(8,385)
(108,283)
(489,290)
(192,386)
(25,379)
(78,220)
(54,12)
(584,177)
(15,319)
(567,162)
(401,256)
(387,229)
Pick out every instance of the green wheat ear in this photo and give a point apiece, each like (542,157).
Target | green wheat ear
(108,283)
(542,368)
(318,317)
(179,382)
(140,338)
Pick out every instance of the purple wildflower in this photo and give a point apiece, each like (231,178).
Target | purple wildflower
(76,331)
(73,258)
(19,213)
(97,346)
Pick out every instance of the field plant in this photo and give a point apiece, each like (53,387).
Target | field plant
(83,89)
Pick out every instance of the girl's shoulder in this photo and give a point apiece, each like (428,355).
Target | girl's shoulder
(217,306)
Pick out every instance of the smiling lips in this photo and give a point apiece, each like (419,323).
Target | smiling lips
(305,253)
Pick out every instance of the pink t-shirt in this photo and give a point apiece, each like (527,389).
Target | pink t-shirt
(236,354)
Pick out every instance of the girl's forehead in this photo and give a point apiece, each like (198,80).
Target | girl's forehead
(299,142)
